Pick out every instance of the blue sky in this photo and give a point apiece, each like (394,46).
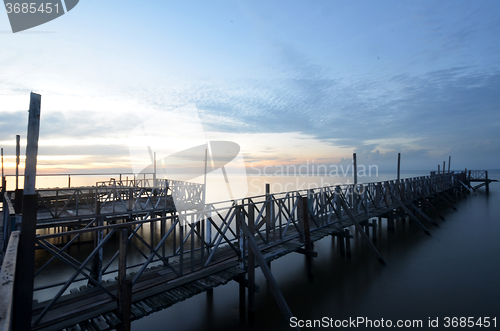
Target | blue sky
(289,81)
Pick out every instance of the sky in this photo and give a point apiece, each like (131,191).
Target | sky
(291,82)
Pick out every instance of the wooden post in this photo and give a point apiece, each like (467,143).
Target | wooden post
(18,203)
(252,245)
(347,237)
(439,172)
(98,238)
(25,269)
(355,189)
(251,266)
(303,214)
(340,242)
(399,166)
(487,182)
(154,170)
(449,164)
(444,163)
(355,169)
(69,180)
(390,220)
(374,230)
(241,246)
(267,216)
(124,286)
(131,199)
(2,166)
(18,153)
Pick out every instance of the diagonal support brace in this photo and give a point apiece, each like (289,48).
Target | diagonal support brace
(408,212)
(431,206)
(361,232)
(285,310)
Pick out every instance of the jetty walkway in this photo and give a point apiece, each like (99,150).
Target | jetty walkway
(117,251)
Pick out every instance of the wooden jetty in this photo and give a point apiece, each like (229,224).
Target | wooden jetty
(120,250)
(180,252)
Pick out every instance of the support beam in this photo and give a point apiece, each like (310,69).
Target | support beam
(399,166)
(445,200)
(278,296)
(421,213)
(18,153)
(359,228)
(487,182)
(347,237)
(25,270)
(251,263)
(124,285)
(305,235)
(409,213)
(431,206)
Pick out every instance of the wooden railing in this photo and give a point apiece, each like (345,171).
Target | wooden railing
(200,239)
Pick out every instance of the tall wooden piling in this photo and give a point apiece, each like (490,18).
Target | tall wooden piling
(390,220)
(449,164)
(124,286)
(340,242)
(251,266)
(18,153)
(26,255)
(487,182)
(347,237)
(2,166)
(267,215)
(241,256)
(305,235)
(399,167)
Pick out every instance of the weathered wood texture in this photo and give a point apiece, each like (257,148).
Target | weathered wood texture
(7,277)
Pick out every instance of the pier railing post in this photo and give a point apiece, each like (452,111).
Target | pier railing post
(268,214)
(487,181)
(241,258)
(124,286)
(251,266)
(305,235)
(25,270)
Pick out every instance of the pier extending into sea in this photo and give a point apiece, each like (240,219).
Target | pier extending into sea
(180,252)
(98,257)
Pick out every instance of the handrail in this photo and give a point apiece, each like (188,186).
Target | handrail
(7,276)
(8,217)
